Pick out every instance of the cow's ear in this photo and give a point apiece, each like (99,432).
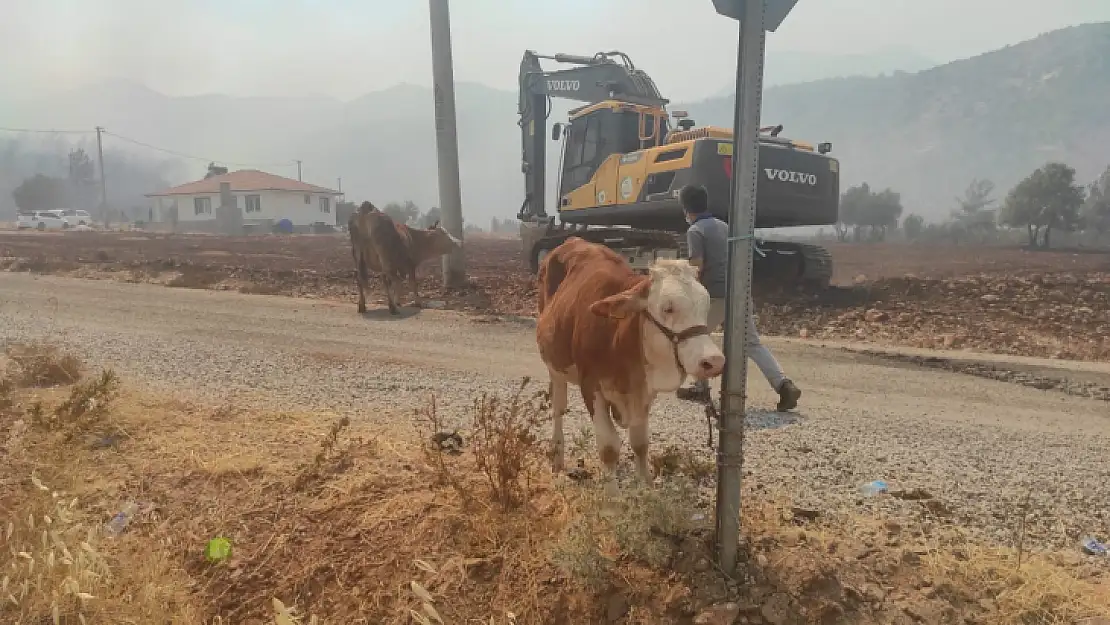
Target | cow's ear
(625,303)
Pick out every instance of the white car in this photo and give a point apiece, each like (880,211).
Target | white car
(77,217)
(42,220)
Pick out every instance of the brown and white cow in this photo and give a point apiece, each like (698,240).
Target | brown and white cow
(621,338)
(393,250)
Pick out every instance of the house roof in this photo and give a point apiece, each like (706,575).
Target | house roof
(244,180)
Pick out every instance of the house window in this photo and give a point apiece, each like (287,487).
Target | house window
(202,206)
(307,198)
(254,203)
(325,205)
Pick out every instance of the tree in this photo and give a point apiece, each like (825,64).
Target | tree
(1048,198)
(975,215)
(852,204)
(407,213)
(862,208)
(882,212)
(41,192)
(1096,210)
(214,170)
(914,225)
(81,177)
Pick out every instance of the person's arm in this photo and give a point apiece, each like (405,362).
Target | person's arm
(695,240)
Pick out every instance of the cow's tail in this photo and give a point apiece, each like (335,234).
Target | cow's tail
(358,249)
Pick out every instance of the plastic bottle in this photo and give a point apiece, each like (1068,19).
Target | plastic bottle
(119,522)
(871,489)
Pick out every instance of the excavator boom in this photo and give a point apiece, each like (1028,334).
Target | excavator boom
(590,79)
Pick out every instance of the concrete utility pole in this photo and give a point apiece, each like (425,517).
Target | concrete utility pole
(447,141)
(755,16)
(299,172)
(103,187)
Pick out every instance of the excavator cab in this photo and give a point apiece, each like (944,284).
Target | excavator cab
(597,132)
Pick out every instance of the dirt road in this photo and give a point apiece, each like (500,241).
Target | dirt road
(976,447)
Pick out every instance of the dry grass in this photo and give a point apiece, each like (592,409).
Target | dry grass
(42,364)
(1023,588)
(342,524)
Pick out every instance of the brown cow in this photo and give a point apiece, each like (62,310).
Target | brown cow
(394,250)
(621,338)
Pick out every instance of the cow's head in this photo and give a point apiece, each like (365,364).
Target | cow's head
(441,241)
(671,295)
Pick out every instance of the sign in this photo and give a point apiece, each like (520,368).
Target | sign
(774,11)
(563,85)
(724,149)
(797,177)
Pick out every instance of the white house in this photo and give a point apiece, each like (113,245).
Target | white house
(264,199)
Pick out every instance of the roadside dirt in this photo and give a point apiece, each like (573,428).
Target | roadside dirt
(999,300)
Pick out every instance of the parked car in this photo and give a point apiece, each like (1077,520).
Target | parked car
(42,220)
(77,217)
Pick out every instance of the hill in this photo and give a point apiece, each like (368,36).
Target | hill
(927,134)
(998,115)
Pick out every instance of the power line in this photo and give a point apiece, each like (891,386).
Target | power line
(198,158)
(53,132)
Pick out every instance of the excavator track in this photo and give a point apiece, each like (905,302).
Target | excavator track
(783,264)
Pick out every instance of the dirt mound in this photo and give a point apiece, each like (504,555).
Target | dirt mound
(1048,315)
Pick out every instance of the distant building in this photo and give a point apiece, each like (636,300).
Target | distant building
(265,199)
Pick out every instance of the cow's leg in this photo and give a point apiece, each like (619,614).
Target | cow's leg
(608,441)
(638,438)
(390,290)
(558,391)
(360,273)
(415,286)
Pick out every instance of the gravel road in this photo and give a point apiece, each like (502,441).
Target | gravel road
(978,448)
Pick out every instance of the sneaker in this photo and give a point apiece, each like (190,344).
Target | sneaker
(693,393)
(788,396)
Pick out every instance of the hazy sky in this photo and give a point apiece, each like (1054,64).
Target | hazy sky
(345,48)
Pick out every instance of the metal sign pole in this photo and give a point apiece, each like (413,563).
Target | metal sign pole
(745,166)
(447,141)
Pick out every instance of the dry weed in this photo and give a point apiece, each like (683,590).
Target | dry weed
(332,457)
(644,524)
(506,449)
(675,460)
(50,569)
(7,391)
(430,428)
(85,407)
(43,364)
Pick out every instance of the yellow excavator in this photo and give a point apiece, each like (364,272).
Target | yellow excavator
(622,167)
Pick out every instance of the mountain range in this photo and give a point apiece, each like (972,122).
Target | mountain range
(925,132)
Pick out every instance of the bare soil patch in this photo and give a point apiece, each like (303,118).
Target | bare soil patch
(1000,300)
